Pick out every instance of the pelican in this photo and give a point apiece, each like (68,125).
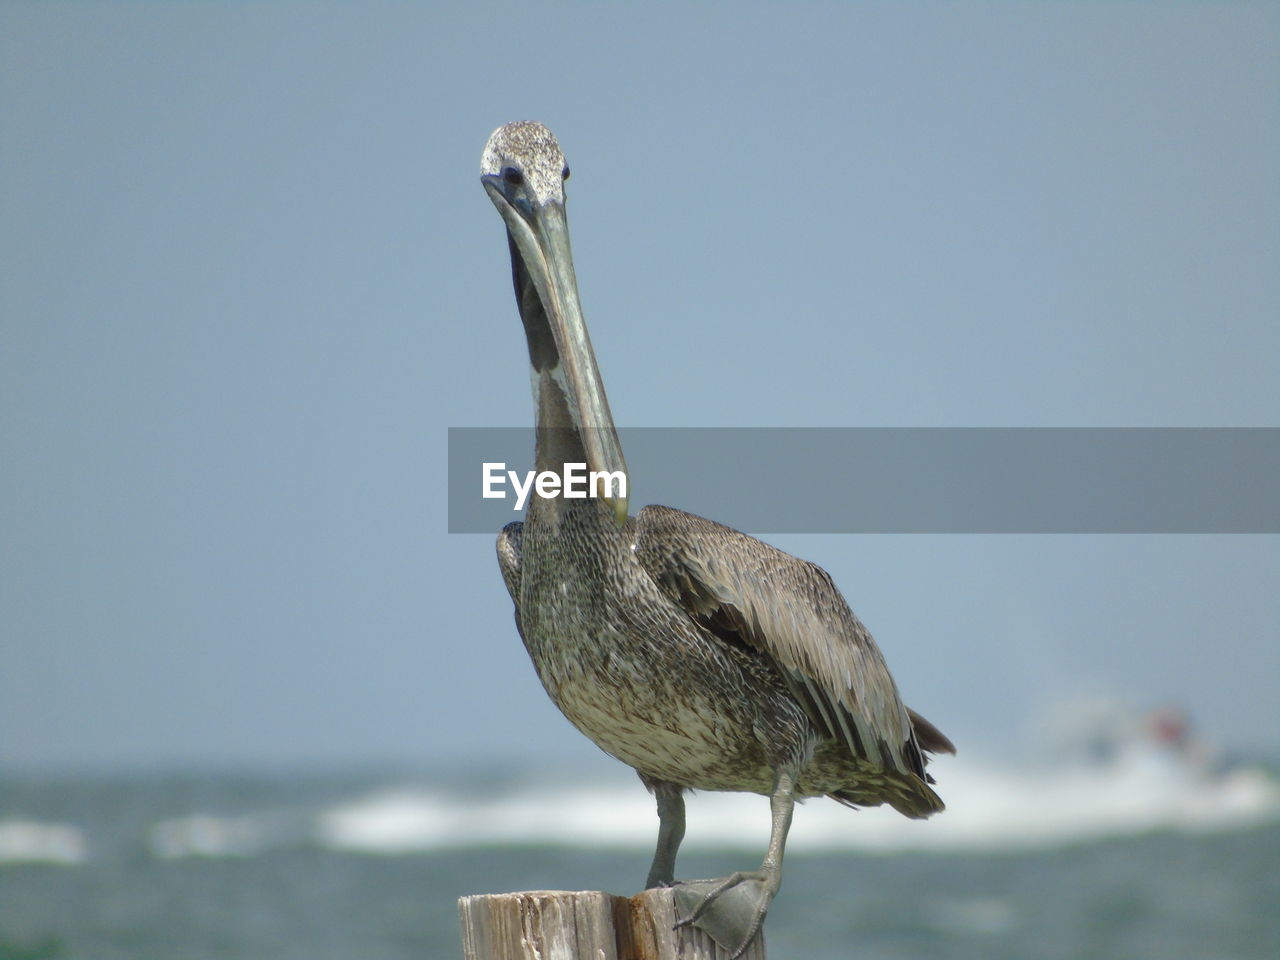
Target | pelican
(702,657)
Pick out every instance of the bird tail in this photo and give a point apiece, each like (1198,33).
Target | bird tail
(906,793)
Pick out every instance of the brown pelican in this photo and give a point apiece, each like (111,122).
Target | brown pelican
(696,654)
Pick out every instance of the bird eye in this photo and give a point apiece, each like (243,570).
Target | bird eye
(564,174)
(513,176)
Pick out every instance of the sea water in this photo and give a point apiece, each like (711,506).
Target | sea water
(1126,862)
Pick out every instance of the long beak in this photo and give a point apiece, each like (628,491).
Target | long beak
(541,235)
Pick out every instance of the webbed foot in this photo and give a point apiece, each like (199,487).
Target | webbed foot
(730,910)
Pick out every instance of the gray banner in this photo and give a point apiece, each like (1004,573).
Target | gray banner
(892,480)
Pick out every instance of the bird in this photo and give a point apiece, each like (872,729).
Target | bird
(700,656)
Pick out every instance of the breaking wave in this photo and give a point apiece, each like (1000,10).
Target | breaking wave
(31,841)
(988,809)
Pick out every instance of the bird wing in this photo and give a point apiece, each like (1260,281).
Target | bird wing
(510,543)
(789,610)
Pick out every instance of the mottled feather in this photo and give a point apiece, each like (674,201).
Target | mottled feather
(790,611)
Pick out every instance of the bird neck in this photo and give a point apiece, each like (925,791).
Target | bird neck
(559,436)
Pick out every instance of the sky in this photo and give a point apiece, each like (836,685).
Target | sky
(249,279)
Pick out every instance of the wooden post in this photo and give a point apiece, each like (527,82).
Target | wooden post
(589,925)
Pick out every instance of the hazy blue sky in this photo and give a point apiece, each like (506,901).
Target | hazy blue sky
(248,279)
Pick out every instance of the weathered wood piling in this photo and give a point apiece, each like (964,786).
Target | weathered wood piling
(587,925)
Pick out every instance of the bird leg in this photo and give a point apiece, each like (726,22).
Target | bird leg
(670,833)
(732,911)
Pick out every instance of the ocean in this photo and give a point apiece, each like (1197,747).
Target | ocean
(1131,861)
